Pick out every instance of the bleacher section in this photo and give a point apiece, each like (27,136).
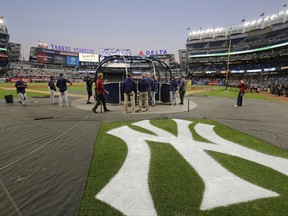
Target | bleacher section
(254,52)
(26,67)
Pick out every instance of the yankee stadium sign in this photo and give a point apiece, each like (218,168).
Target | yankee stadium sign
(129,190)
(71,49)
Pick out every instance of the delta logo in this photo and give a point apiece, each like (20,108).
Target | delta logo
(153,52)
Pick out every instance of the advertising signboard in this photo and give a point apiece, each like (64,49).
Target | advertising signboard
(72,60)
(153,52)
(85,57)
(49,51)
(57,59)
(44,58)
(70,49)
(88,64)
(4,55)
(63,57)
(67,53)
(43,50)
(105,52)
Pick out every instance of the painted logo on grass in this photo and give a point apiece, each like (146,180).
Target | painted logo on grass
(128,191)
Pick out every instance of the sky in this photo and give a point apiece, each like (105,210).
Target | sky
(150,25)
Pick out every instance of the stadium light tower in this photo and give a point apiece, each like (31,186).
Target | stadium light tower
(1,19)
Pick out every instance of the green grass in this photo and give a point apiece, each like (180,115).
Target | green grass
(76,88)
(108,157)
(175,186)
(219,91)
(13,92)
(80,88)
(172,181)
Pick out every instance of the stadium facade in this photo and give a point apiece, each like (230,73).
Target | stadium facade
(4,39)
(63,58)
(252,48)
(75,63)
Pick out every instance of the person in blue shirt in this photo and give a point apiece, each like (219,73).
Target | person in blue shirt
(20,89)
(143,88)
(182,89)
(148,78)
(63,94)
(173,90)
(154,89)
(89,84)
(129,92)
(52,89)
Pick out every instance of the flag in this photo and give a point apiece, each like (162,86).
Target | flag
(285,5)
(243,20)
(262,14)
(188,28)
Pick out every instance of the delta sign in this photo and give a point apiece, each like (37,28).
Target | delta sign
(153,52)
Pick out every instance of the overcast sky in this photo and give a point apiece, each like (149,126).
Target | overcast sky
(131,24)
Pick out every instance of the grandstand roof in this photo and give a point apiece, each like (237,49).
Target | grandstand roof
(242,28)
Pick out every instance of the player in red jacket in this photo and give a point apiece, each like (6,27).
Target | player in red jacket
(100,91)
(242,88)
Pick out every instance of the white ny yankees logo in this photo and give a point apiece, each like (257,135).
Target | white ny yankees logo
(128,190)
